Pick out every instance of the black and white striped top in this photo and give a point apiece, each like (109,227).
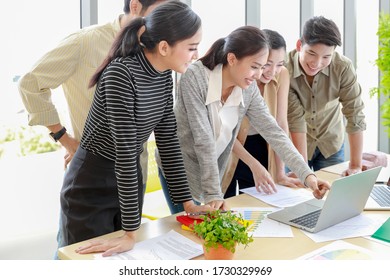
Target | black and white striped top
(131,101)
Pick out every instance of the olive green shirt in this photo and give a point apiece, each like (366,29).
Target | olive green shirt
(318,109)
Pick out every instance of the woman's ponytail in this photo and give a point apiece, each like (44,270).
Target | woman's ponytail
(215,55)
(126,43)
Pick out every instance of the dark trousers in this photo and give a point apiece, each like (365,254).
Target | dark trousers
(89,198)
(257,147)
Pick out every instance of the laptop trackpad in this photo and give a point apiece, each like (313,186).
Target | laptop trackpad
(307,207)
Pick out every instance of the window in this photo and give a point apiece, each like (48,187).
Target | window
(283,17)
(30,185)
(108,10)
(367,52)
(219,18)
(38,27)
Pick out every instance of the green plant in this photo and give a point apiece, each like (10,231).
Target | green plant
(225,228)
(31,140)
(383,63)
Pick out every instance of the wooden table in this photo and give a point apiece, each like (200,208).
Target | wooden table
(261,248)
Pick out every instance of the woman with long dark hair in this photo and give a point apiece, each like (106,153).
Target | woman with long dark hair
(274,84)
(214,95)
(103,190)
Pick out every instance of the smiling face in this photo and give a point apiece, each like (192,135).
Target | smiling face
(246,70)
(181,55)
(274,65)
(314,58)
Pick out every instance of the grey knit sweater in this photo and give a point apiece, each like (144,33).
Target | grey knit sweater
(204,170)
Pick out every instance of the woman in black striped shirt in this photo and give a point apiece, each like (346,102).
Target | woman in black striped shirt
(102,190)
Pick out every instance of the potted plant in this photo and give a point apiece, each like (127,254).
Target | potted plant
(221,232)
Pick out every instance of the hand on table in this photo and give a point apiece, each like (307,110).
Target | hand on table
(351,171)
(291,182)
(218,204)
(191,207)
(263,180)
(110,246)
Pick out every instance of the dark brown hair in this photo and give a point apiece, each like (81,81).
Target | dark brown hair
(242,42)
(275,40)
(320,30)
(172,22)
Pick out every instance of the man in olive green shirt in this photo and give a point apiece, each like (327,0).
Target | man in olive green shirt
(323,89)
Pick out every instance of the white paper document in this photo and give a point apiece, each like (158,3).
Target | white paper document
(169,246)
(360,225)
(341,250)
(260,225)
(284,197)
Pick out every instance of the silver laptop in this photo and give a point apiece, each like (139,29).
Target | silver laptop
(346,199)
(379,198)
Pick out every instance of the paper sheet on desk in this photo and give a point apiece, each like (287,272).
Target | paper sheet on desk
(341,250)
(358,226)
(169,246)
(284,197)
(262,226)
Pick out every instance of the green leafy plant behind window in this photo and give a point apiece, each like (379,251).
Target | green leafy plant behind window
(30,140)
(383,63)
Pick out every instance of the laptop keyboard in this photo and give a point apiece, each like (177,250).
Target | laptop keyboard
(381,194)
(308,220)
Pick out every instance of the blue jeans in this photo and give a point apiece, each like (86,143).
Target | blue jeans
(59,238)
(174,208)
(59,233)
(318,161)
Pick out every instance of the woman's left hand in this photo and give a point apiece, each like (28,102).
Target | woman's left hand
(110,246)
(191,207)
(290,182)
(263,180)
(218,204)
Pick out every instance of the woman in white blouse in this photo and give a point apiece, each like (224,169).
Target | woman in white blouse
(213,96)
